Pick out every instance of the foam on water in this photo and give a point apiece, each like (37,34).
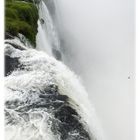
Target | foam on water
(47,37)
(37,70)
(25,86)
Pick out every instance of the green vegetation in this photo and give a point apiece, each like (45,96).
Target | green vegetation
(21,17)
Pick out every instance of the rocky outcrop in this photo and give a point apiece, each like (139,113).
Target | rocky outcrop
(41,98)
(21,16)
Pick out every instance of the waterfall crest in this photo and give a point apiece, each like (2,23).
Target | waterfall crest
(44,99)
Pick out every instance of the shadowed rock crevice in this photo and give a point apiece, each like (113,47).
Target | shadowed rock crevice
(11,64)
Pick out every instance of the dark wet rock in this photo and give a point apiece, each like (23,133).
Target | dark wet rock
(8,36)
(15,46)
(54,97)
(10,119)
(69,126)
(57,54)
(10,64)
(65,121)
(51,89)
(37,1)
(42,21)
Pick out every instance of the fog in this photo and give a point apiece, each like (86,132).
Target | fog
(98,44)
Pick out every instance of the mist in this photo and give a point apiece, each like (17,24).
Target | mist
(97,38)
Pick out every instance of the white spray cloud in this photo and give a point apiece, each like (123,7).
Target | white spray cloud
(99,45)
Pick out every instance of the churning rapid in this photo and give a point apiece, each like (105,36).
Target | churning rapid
(44,100)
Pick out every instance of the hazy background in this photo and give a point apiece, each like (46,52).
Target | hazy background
(98,44)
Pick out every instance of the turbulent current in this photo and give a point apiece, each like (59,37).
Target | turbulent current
(44,99)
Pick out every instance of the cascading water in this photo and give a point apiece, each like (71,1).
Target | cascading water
(44,99)
(47,38)
(98,38)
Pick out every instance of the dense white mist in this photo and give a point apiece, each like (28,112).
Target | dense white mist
(98,43)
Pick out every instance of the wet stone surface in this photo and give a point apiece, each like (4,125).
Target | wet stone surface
(10,64)
(64,120)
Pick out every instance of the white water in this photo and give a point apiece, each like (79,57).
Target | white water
(47,38)
(24,86)
(42,40)
(87,31)
(44,70)
(99,46)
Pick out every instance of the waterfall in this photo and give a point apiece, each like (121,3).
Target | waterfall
(47,37)
(44,99)
(29,109)
(99,46)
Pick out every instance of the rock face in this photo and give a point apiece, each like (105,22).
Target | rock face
(10,64)
(65,120)
(35,108)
